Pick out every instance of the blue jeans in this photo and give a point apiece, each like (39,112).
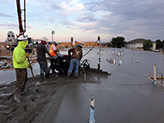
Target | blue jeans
(43,67)
(74,63)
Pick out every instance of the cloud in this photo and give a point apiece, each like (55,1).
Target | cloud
(126,17)
(63,5)
(72,5)
(129,18)
(5,15)
(129,10)
(9,25)
(88,26)
(12,26)
(45,4)
(86,17)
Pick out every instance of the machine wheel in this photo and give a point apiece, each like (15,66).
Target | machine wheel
(85,64)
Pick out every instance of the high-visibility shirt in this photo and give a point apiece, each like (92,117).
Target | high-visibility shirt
(19,57)
(52,48)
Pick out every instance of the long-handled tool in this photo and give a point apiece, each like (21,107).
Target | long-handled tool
(84,73)
(33,75)
(82,68)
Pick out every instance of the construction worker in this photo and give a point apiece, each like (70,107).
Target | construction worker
(75,60)
(53,50)
(20,64)
(41,57)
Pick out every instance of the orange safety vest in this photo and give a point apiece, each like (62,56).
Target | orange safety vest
(52,51)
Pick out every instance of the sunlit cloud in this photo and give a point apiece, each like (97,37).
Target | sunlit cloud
(72,5)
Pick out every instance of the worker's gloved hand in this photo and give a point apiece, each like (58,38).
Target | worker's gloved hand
(30,66)
(27,54)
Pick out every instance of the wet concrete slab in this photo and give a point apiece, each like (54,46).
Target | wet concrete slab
(126,96)
(115,102)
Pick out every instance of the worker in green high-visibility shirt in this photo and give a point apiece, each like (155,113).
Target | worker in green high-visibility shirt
(20,64)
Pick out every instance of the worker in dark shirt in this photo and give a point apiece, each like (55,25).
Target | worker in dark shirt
(76,56)
(41,57)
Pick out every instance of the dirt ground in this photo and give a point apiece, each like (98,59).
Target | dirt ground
(5,53)
(35,104)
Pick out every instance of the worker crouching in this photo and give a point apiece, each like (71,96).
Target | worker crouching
(20,64)
(75,60)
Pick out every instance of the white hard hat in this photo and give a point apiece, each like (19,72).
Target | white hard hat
(44,39)
(55,42)
(22,38)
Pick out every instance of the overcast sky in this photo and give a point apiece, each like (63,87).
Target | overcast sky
(85,20)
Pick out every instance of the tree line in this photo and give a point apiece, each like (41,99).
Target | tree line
(159,44)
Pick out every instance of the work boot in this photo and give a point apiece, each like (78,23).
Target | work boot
(22,93)
(76,76)
(68,75)
(17,97)
(42,77)
(47,75)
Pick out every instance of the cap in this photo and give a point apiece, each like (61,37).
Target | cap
(79,45)
(22,38)
(44,39)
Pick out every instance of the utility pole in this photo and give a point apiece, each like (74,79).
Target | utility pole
(99,53)
(72,41)
(53,32)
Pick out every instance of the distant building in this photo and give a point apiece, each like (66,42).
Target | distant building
(85,44)
(90,44)
(65,44)
(137,44)
(2,45)
(76,42)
